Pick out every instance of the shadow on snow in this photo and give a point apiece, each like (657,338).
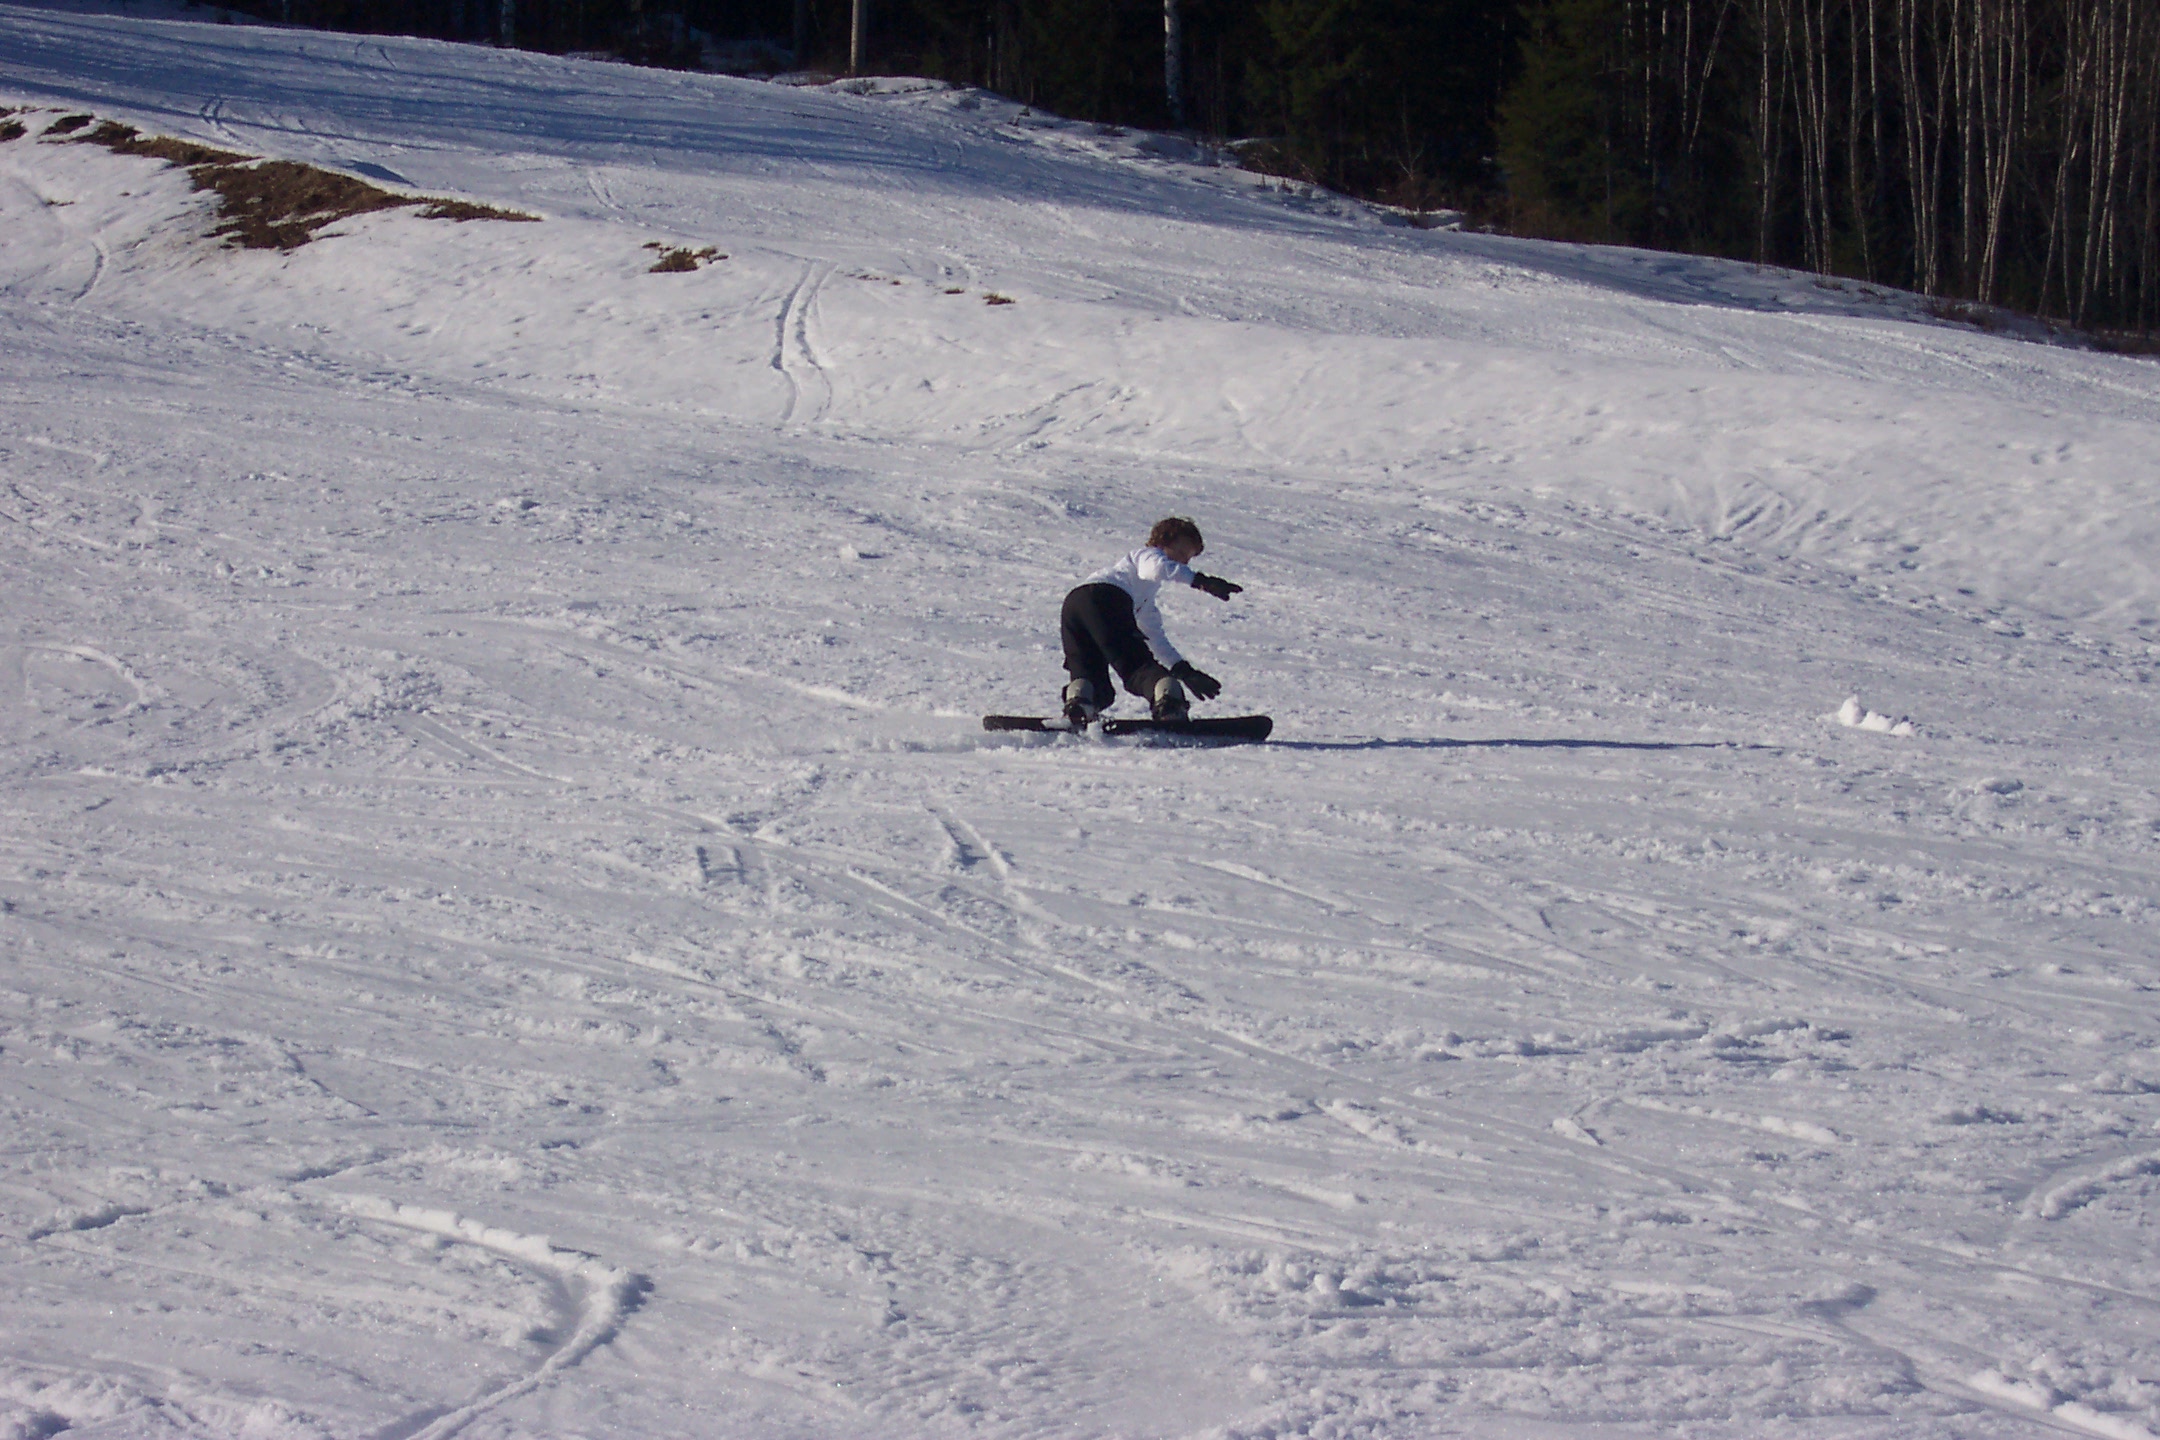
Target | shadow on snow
(1442,743)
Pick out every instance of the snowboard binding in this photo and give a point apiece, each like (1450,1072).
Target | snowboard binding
(1081,710)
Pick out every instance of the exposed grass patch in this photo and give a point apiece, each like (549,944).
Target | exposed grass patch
(993,298)
(274,204)
(437,208)
(282,205)
(67,125)
(675,260)
(11,130)
(127,140)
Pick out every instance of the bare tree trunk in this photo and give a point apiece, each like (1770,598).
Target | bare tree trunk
(2145,43)
(2117,75)
(2008,48)
(1006,58)
(1709,66)
(1766,137)
(1856,186)
(1922,149)
(1964,116)
(1810,67)
(1173,62)
(2076,81)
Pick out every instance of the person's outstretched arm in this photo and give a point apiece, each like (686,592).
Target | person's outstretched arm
(1215,585)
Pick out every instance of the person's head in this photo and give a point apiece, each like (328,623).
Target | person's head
(1178,538)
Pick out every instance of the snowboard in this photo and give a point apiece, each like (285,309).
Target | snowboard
(1222,730)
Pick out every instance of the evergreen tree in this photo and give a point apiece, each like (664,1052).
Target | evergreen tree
(1559,153)
(1386,97)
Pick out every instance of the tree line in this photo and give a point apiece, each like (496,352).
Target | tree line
(1997,152)
(2005,152)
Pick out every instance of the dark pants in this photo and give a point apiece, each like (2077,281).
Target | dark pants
(1100,635)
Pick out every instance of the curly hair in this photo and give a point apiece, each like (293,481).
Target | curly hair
(1174,529)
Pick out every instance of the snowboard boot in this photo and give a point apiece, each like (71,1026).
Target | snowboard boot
(1168,701)
(1080,708)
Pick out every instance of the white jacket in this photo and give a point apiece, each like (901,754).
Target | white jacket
(1140,575)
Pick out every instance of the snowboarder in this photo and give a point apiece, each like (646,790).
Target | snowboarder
(1110,623)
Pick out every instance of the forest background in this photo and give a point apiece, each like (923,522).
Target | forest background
(1992,153)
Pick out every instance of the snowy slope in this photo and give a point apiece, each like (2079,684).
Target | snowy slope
(511,927)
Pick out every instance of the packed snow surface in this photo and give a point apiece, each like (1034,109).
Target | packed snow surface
(512,927)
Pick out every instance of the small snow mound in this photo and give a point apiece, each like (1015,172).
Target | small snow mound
(1855,716)
(2033,1395)
(889,85)
(2101,1422)
(2076,1194)
(2028,1393)
(1569,1129)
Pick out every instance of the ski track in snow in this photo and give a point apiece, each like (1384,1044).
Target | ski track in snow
(809,388)
(513,928)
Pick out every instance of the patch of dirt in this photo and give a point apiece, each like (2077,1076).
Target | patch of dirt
(274,204)
(676,261)
(11,130)
(67,125)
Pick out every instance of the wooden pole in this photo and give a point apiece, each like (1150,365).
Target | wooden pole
(858,37)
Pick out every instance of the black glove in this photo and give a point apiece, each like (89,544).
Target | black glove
(1216,586)
(1202,684)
